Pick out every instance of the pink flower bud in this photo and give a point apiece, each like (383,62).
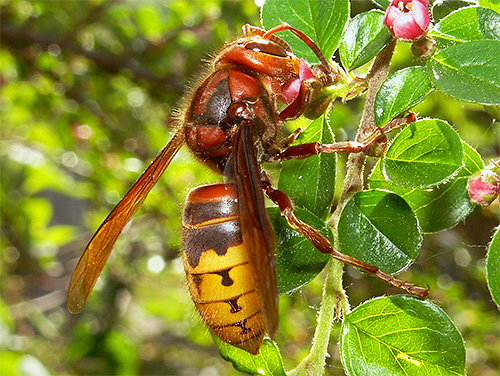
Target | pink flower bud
(407,20)
(483,187)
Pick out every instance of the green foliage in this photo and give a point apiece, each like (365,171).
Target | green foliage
(297,261)
(442,206)
(424,154)
(267,362)
(364,38)
(323,21)
(469,71)
(399,92)
(310,182)
(466,25)
(401,335)
(379,228)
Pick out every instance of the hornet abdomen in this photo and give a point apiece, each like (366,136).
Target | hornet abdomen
(220,279)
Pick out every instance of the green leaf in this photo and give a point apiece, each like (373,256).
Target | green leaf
(425,153)
(324,21)
(310,182)
(465,25)
(491,4)
(440,207)
(469,71)
(493,267)
(440,9)
(400,92)
(378,227)
(364,38)
(267,362)
(297,261)
(400,336)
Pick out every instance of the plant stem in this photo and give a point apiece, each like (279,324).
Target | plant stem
(334,301)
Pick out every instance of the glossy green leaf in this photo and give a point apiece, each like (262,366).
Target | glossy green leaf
(465,25)
(400,92)
(440,207)
(310,182)
(425,153)
(493,267)
(400,336)
(364,38)
(324,21)
(468,71)
(267,362)
(441,9)
(297,261)
(490,4)
(379,228)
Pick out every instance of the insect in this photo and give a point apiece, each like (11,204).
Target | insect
(231,122)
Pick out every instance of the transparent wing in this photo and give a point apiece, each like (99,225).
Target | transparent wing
(94,257)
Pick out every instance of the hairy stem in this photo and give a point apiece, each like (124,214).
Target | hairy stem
(334,301)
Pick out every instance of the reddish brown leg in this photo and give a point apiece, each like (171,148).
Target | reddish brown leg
(323,245)
(313,148)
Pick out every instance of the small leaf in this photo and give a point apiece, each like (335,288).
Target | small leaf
(493,267)
(364,38)
(379,228)
(425,153)
(310,182)
(469,71)
(440,207)
(465,25)
(322,21)
(400,336)
(400,92)
(297,261)
(267,362)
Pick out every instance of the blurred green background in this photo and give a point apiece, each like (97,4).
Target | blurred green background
(86,92)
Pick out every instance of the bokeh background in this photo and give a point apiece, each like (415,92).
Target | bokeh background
(86,92)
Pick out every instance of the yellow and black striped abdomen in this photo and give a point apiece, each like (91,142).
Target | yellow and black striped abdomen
(219,276)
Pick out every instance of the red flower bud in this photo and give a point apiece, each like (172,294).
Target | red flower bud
(407,20)
(483,187)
